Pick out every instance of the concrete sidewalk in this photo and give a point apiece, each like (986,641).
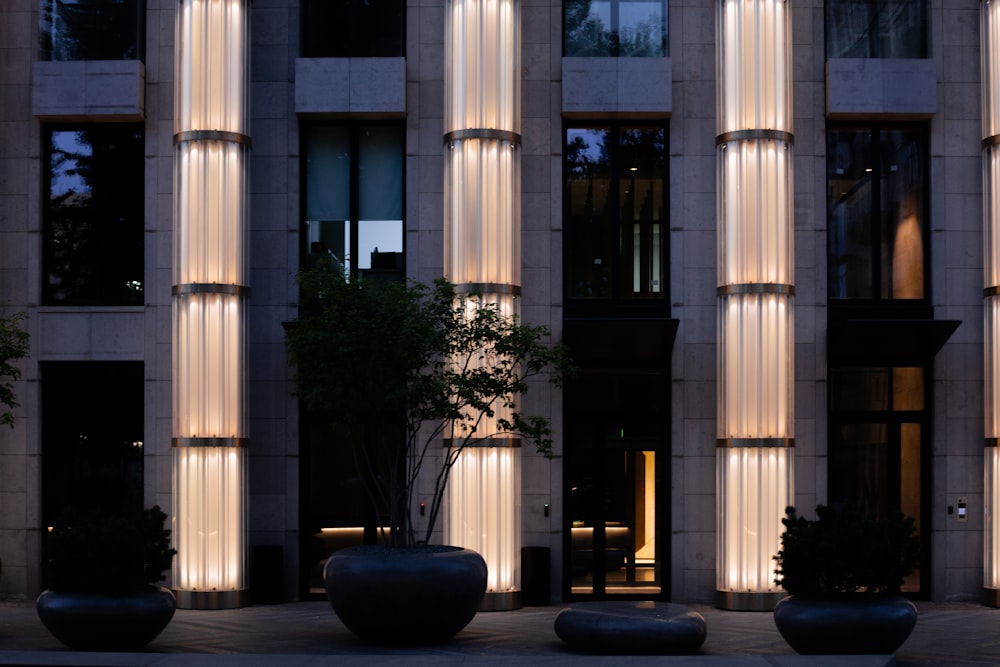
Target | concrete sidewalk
(308,634)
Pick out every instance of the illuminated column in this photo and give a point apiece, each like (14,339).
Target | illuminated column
(990,45)
(210,292)
(482,254)
(754,463)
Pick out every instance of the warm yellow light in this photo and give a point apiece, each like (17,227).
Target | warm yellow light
(990,62)
(482,61)
(209,519)
(209,362)
(482,240)
(758,489)
(755,65)
(211,66)
(755,391)
(484,511)
(210,290)
(755,205)
(210,179)
(755,377)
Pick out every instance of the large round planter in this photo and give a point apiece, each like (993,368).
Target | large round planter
(95,622)
(408,596)
(814,626)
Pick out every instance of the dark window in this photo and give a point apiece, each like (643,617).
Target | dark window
(615,213)
(877,244)
(92,29)
(353,28)
(616,28)
(93,218)
(92,436)
(354,196)
(876,29)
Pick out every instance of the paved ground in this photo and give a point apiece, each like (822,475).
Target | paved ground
(308,634)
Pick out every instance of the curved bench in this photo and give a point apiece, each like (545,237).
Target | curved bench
(631,628)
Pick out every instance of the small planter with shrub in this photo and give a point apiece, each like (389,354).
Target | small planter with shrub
(843,572)
(102,571)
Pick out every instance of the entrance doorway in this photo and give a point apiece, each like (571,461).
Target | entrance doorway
(880,448)
(616,504)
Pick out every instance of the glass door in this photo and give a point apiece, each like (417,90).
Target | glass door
(616,421)
(878,449)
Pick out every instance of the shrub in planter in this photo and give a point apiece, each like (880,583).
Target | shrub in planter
(843,572)
(102,571)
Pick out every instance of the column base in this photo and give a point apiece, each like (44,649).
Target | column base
(739,601)
(212,599)
(991,597)
(501,601)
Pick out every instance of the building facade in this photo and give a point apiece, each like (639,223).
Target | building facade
(860,205)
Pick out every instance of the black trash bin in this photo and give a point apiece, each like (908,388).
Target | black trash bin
(267,574)
(535,576)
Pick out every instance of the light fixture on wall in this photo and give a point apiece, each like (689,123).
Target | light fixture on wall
(482,256)
(990,56)
(754,461)
(210,293)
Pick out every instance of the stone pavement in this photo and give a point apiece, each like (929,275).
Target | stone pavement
(308,634)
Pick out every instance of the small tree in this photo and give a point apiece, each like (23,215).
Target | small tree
(401,365)
(13,348)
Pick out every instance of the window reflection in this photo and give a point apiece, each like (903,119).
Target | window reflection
(615,203)
(876,28)
(92,29)
(354,196)
(625,28)
(876,196)
(93,219)
(353,28)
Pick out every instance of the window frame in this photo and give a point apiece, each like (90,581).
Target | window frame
(347,14)
(96,214)
(354,188)
(617,304)
(874,17)
(875,305)
(47,49)
(613,33)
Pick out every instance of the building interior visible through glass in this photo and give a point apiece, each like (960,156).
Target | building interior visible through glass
(876,213)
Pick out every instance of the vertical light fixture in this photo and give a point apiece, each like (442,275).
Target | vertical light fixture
(210,293)
(754,463)
(482,256)
(990,56)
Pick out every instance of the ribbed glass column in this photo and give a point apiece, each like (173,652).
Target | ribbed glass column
(754,462)
(482,256)
(210,293)
(990,56)
(486,483)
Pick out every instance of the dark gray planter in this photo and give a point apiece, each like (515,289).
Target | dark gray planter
(95,622)
(405,597)
(873,626)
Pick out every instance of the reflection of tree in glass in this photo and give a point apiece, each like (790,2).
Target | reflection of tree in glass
(90,29)
(94,219)
(643,148)
(587,35)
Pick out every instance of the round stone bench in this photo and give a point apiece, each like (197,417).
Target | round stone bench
(631,627)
